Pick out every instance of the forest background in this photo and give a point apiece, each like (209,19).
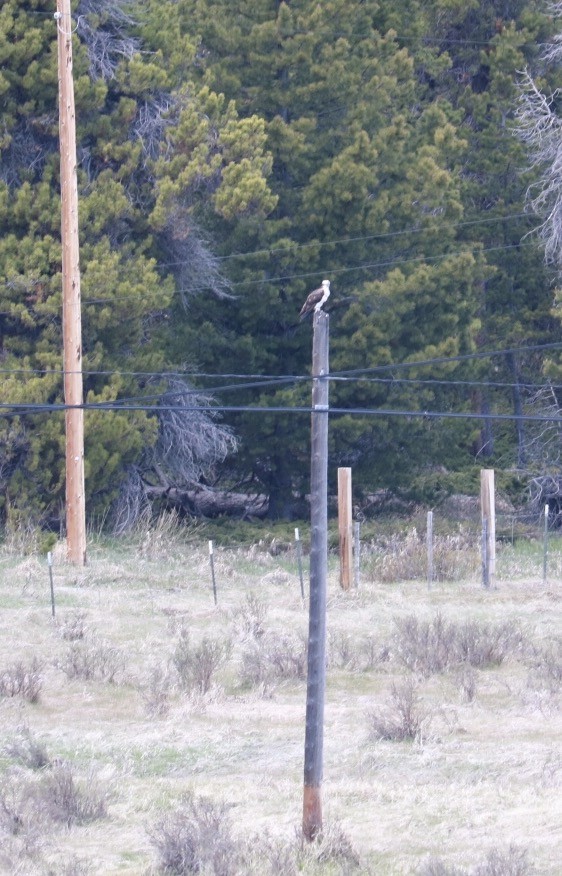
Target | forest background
(230,157)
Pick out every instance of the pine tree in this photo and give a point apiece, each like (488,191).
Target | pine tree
(154,154)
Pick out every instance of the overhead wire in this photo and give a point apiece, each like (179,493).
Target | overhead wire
(381,235)
(343,375)
(319,244)
(18,410)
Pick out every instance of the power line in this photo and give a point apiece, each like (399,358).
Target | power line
(383,235)
(326,271)
(357,36)
(444,360)
(10,410)
(345,269)
(356,373)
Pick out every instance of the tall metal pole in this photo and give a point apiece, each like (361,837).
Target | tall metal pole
(316,679)
(71,306)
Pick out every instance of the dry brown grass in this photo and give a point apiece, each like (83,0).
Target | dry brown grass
(473,676)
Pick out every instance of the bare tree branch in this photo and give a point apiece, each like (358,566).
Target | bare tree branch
(540,128)
(104,28)
(194,266)
(190,444)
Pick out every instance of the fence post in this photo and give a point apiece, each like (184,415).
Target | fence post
(485,554)
(344,526)
(357,551)
(429,539)
(488,508)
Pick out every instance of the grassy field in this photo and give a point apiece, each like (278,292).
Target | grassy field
(145,730)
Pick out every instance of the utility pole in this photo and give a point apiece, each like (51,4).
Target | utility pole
(71,305)
(316,677)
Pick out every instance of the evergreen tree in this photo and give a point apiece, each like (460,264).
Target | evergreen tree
(153,153)
(368,173)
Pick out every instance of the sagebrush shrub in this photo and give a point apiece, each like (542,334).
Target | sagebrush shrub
(402,718)
(92,659)
(66,799)
(72,627)
(196,837)
(250,617)
(432,647)
(513,862)
(545,665)
(27,751)
(197,664)
(404,558)
(275,657)
(156,693)
(22,680)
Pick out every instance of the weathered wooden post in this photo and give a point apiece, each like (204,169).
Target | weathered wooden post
(485,554)
(429,542)
(71,307)
(357,552)
(345,519)
(316,675)
(488,508)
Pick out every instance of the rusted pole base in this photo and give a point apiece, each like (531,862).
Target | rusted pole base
(312,813)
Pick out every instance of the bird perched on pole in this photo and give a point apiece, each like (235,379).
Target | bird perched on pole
(316,299)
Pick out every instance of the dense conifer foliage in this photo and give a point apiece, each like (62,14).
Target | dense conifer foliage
(230,157)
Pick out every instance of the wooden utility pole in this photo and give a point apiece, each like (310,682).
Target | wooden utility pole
(345,522)
(71,305)
(316,678)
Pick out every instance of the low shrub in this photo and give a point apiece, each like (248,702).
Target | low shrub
(196,837)
(402,718)
(27,751)
(513,862)
(22,680)
(250,617)
(431,647)
(92,659)
(68,800)
(156,693)
(72,628)
(404,558)
(197,664)
(274,658)
(545,667)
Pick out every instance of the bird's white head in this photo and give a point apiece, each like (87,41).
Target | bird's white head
(325,294)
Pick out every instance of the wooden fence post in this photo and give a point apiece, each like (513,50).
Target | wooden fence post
(429,540)
(345,517)
(488,508)
(357,552)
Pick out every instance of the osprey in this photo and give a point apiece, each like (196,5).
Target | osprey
(316,299)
